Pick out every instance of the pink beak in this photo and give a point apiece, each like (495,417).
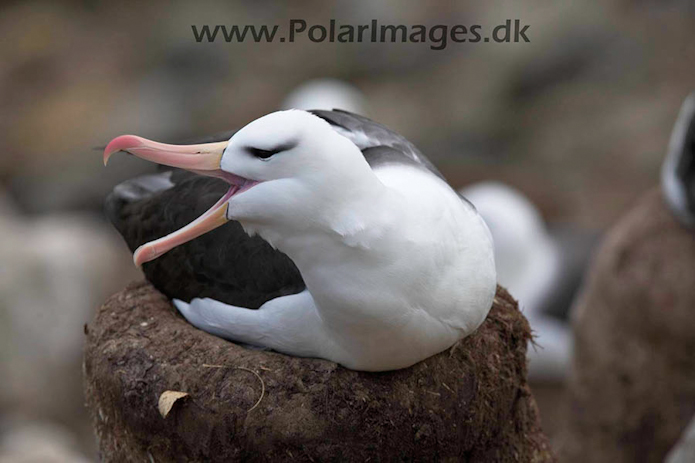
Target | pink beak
(202,159)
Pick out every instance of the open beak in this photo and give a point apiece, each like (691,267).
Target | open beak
(202,159)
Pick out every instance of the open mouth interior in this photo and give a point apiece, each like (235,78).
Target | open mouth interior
(238,184)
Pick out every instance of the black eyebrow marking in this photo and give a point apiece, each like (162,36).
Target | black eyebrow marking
(266,154)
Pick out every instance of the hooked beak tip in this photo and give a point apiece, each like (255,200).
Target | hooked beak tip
(108,151)
(122,143)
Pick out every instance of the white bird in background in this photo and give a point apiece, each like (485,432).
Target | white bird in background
(396,266)
(326,93)
(530,265)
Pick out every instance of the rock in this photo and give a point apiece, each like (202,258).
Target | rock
(632,388)
(469,403)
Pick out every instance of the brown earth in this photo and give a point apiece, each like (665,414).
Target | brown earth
(469,403)
(632,388)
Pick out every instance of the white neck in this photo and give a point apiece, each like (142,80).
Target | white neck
(349,224)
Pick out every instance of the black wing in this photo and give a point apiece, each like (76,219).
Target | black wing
(379,144)
(225,264)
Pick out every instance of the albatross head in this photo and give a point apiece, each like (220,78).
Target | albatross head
(284,170)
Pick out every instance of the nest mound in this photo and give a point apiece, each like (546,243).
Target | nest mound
(469,403)
(632,388)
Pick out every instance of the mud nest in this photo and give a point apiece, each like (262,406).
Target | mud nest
(469,403)
(632,389)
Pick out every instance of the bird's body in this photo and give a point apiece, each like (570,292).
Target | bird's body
(395,266)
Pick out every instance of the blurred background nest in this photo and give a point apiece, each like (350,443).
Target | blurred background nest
(578,120)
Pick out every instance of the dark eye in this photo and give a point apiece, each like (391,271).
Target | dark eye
(263,154)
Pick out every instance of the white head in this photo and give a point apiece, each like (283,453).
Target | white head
(288,170)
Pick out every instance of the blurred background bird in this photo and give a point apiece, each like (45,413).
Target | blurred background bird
(576,121)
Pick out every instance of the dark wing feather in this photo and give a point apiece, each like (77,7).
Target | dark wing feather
(224,264)
(368,135)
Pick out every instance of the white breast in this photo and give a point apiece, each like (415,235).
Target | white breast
(417,284)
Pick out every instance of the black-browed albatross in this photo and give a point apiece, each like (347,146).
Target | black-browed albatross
(384,264)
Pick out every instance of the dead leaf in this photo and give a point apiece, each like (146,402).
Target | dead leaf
(167,400)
